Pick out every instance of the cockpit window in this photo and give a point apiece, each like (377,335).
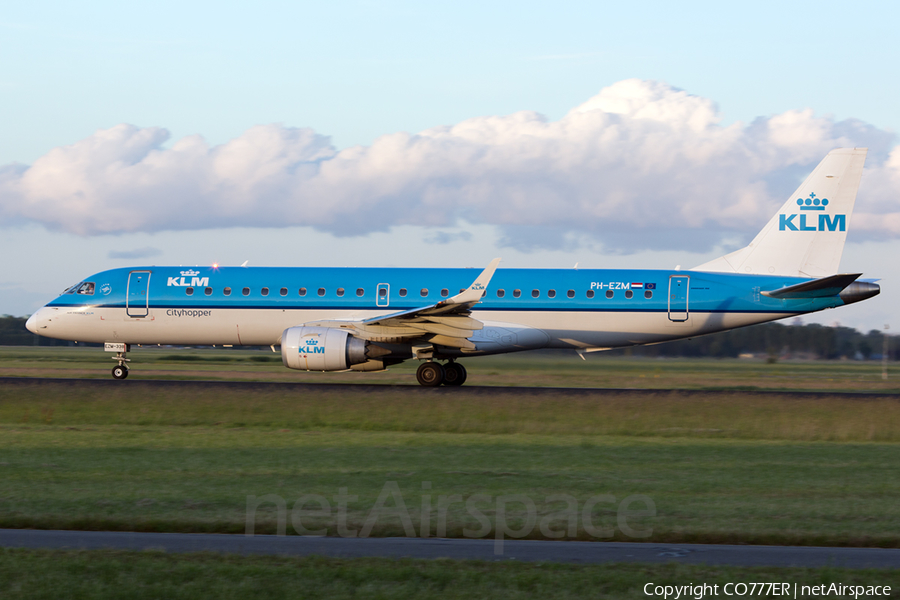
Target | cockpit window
(86,288)
(71,289)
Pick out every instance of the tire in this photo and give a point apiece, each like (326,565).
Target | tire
(430,374)
(454,374)
(120,372)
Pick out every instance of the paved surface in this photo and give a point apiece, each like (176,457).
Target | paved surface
(523,550)
(413,389)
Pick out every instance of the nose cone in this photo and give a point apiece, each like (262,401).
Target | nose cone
(31,323)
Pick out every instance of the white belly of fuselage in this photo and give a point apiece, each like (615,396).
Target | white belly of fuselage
(258,327)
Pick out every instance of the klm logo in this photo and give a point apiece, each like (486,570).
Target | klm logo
(189,279)
(312,347)
(808,222)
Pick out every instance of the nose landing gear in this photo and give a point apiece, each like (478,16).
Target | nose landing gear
(432,374)
(120,371)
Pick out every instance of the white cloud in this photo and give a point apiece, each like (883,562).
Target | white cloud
(641,165)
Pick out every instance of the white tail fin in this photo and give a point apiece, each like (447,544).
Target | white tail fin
(806,237)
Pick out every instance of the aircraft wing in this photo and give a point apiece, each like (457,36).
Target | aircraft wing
(446,323)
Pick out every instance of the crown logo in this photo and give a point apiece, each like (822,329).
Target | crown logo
(190,273)
(812,203)
(312,342)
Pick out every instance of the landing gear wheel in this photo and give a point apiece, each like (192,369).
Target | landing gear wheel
(120,372)
(430,374)
(454,374)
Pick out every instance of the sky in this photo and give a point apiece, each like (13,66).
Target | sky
(620,135)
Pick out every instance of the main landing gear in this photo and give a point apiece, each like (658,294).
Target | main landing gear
(432,374)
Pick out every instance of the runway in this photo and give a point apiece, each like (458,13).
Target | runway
(417,390)
(460,549)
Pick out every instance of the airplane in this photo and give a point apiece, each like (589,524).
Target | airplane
(367,319)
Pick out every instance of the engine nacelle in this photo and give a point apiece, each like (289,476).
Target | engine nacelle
(321,349)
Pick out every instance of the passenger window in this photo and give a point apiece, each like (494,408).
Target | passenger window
(208,291)
(570,293)
(609,293)
(648,294)
(245,291)
(500,293)
(551,293)
(589,293)
(517,293)
(360,292)
(383,292)
(535,293)
(424,292)
(340,291)
(462,290)
(629,294)
(283,291)
(264,291)
(302,291)
(402,292)
(86,288)
(227,291)
(189,291)
(445,292)
(321,291)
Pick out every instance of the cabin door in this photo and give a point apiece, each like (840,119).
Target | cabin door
(137,299)
(678,298)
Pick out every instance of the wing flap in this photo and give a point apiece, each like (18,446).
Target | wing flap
(454,342)
(443,329)
(458,321)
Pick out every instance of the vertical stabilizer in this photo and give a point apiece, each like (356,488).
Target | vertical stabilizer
(806,237)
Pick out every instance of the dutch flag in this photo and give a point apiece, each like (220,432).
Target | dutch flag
(637,286)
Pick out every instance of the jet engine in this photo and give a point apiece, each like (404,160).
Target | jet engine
(325,349)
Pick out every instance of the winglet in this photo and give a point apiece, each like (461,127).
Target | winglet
(476,290)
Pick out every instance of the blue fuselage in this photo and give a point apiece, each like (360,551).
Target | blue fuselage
(574,308)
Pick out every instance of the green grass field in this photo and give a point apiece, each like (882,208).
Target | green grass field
(139,575)
(727,468)
(558,369)
(724,467)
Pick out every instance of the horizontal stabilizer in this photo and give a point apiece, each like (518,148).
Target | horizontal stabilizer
(817,288)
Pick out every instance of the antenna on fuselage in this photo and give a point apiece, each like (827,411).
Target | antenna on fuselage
(576,266)
(244,264)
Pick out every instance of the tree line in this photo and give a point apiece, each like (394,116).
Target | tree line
(776,340)
(768,339)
